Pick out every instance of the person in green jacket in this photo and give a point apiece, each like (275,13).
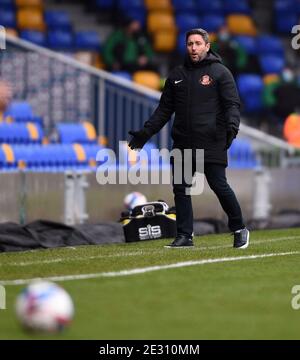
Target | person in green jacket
(128,49)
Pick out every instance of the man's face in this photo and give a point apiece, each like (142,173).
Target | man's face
(196,47)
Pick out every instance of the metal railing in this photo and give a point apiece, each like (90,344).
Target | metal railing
(61,89)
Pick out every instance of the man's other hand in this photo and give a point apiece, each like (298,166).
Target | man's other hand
(138,140)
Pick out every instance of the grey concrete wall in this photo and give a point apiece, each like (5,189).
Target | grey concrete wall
(44,196)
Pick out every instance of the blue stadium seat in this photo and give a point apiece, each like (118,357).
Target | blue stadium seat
(2,158)
(75,133)
(60,40)
(20,110)
(241,155)
(212,23)
(8,18)
(58,20)
(20,133)
(269,45)
(7,2)
(284,22)
(137,14)
(87,40)
(206,7)
(186,22)
(7,158)
(181,47)
(185,6)
(271,64)
(123,74)
(285,6)
(36,37)
(91,151)
(105,4)
(236,7)
(130,4)
(247,42)
(250,87)
(7,5)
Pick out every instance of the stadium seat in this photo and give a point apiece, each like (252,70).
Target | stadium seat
(147,78)
(21,110)
(30,4)
(285,6)
(285,22)
(7,5)
(159,5)
(185,6)
(250,87)
(269,45)
(87,40)
(36,37)
(212,23)
(131,4)
(271,78)
(181,46)
(242,155)
(58,20)
(91,151)
(30,19)
(236,7)
(122,74)
(164,40)
(137,14)
(185,22)
(7,157)
(60,40)
(22,133)
(105,4)
(247,42)
(240,24)
(76,133)
(7,18)
(206,7)
(271,64)
(158,20)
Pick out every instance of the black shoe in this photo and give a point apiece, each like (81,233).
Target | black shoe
(241,239)
(181,241)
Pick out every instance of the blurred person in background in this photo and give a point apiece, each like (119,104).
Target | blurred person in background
(233,56)
(287,95)
(5,96)
(128,49)
(281,97)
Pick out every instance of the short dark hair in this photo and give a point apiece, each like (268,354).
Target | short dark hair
(198,31)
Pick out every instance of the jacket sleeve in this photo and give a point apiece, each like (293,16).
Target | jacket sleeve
(163,112)
(230,100)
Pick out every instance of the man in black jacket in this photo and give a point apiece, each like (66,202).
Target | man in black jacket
(203,95)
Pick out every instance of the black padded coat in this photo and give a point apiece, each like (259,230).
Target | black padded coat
(206,103)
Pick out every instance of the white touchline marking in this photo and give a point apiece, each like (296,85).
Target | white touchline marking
(145,269)
(136,253)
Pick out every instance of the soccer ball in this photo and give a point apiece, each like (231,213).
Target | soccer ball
(134,199)
(44,306)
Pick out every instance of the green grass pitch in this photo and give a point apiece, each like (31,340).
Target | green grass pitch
(209,295)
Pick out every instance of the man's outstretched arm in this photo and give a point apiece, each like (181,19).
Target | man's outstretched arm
(157,120)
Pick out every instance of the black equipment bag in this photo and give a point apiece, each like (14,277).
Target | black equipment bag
(150,221)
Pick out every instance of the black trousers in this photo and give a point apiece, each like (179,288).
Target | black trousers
(216,177)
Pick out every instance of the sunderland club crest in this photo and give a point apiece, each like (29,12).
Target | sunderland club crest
(205,80)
